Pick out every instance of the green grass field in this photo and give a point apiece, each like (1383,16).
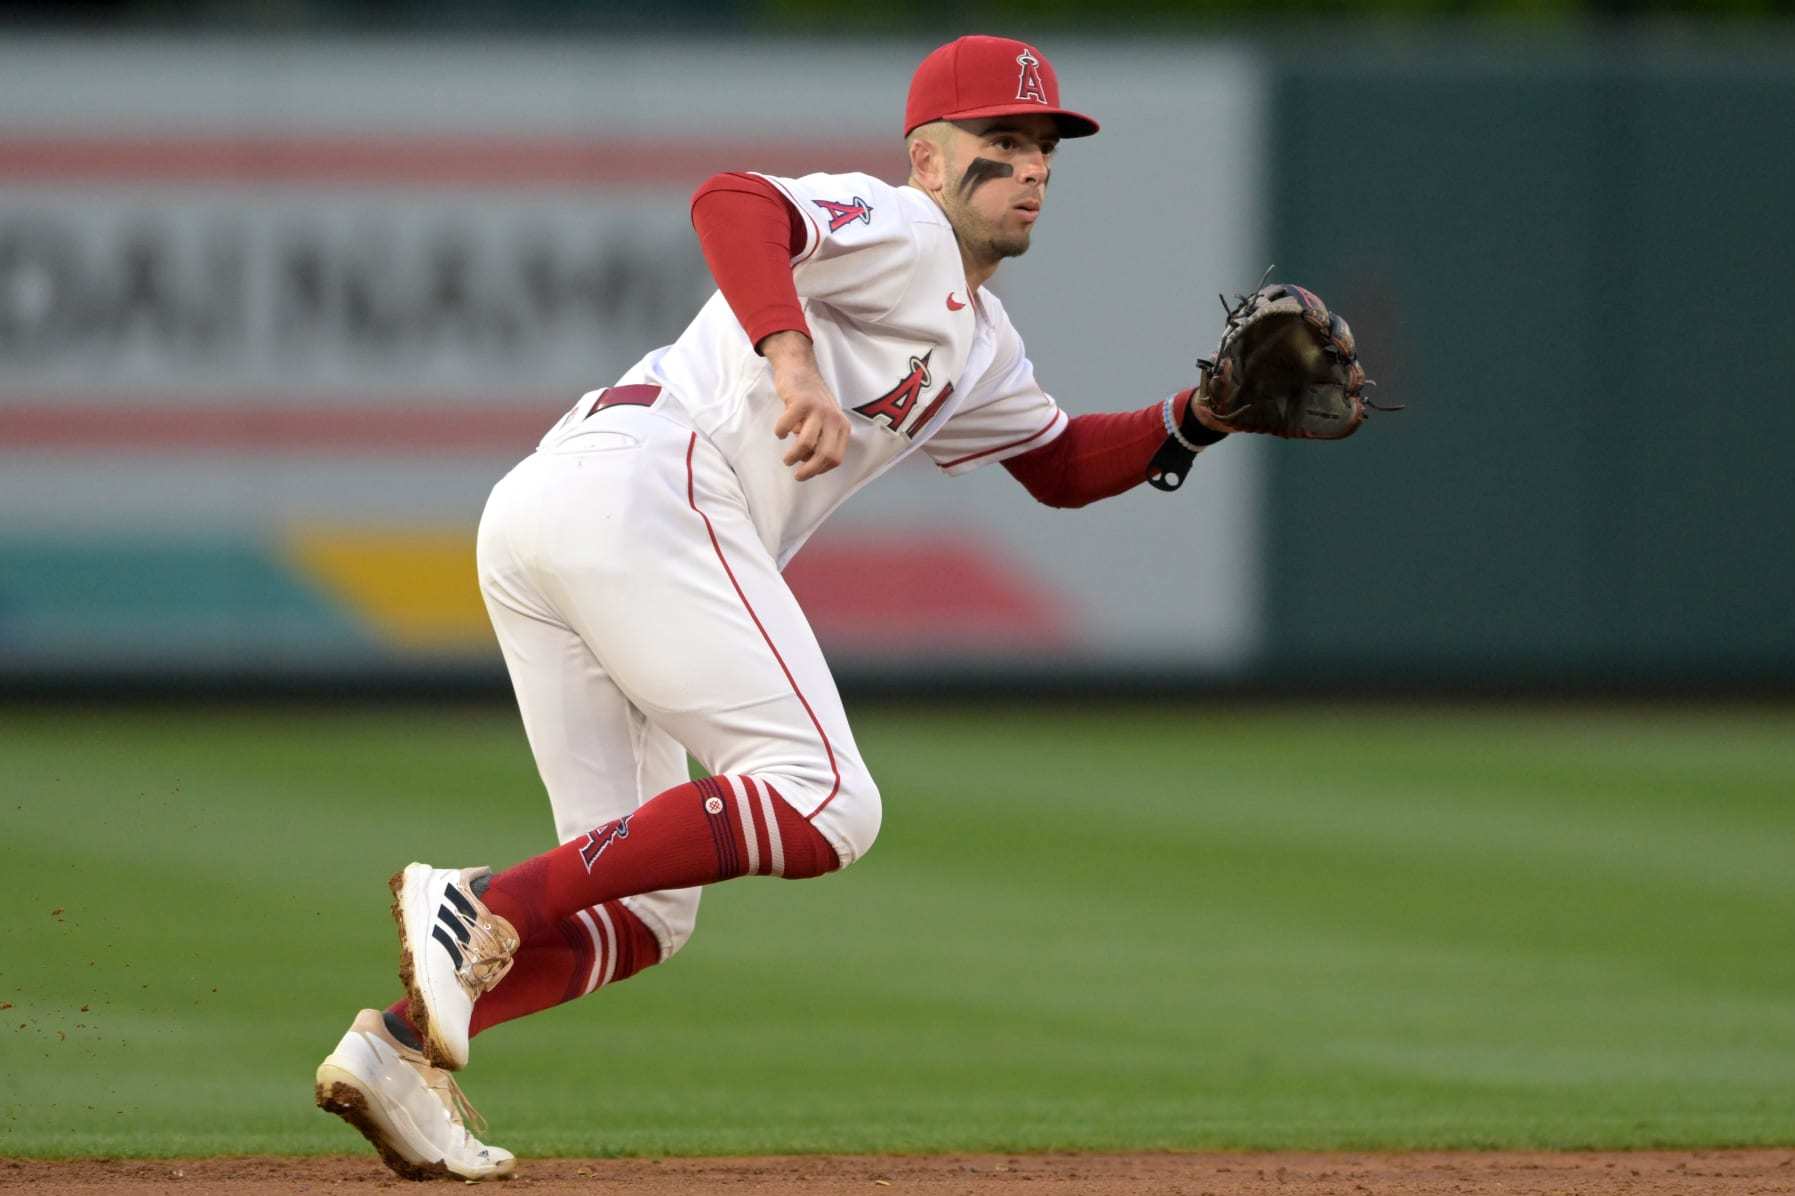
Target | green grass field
(1276,928)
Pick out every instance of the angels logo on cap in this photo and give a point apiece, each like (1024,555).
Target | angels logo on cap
(979,75)
(1028,87)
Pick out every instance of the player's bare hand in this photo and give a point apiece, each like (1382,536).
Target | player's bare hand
(813,419)
(819,428)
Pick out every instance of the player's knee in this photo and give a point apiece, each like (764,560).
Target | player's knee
(677,936)
(852,820)
(671,915)
(823,829)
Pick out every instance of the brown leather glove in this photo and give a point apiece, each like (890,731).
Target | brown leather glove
(1286,366)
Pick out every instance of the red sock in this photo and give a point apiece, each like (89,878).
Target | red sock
(693,834)
(577,956)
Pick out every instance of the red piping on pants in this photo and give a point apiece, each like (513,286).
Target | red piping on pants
(691,499)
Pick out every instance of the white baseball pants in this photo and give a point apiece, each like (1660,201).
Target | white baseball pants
(641,618)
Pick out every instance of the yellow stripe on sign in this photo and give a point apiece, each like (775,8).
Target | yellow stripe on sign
(414,586)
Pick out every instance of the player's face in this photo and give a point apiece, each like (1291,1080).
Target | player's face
(997,181)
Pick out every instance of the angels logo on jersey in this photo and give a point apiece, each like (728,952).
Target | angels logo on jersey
(897,405)
(843,214)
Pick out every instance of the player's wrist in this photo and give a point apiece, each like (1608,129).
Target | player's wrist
(1197,426)
(784,350)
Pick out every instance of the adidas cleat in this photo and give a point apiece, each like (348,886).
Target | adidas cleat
(414,1114)
(451,950)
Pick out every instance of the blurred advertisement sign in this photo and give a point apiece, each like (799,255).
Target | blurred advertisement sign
(271,327)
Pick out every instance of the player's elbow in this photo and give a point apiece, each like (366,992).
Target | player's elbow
(1062,500)
(1046,473)
(1051,489)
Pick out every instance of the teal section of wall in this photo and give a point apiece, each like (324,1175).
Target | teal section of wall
(1709,563)
(115,603)
(1571,272)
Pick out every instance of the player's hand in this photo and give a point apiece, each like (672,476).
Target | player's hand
(812,415)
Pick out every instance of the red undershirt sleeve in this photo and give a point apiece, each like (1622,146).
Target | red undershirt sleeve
(1097,456)
(749,233)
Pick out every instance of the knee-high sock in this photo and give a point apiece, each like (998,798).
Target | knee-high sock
(576,956)
(693,834)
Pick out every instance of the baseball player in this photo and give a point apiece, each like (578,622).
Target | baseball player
(631,568)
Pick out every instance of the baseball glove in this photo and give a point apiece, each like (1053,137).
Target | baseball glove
(1286,366)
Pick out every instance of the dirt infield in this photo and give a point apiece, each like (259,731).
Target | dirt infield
(1653,1173)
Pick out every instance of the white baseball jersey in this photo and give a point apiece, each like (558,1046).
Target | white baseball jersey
(914,360)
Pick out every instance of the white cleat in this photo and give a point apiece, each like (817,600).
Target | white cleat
(451,949)
(413,1113)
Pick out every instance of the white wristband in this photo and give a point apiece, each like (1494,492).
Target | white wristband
(1172,428)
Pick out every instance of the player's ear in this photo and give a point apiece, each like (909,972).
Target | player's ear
(928,158)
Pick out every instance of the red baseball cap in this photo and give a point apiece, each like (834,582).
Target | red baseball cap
(988,76)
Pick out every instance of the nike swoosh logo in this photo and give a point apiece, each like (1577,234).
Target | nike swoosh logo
(951,305)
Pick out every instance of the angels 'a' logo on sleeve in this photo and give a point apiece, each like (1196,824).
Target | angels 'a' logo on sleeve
(843,214)
(898,404)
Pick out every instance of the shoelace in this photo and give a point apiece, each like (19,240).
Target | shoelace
(462,1109)
(489,953)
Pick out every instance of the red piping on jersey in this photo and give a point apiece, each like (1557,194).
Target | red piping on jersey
(692,501)
(1002,447)
(817,242)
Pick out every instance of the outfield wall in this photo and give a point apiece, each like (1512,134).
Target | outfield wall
(273,318)
(1556,256)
